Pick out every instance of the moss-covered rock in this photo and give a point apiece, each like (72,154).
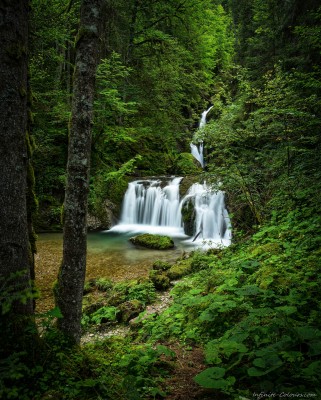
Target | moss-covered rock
(160,265)
(116,298)
(137,289)
(187,182)
(89,286)
(129,310)
(160,280)
(179,270)
(150,241)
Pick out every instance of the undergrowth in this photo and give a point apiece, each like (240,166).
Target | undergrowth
(254,308)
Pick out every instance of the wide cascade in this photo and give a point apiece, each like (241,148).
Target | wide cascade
(147,202)
(154,206)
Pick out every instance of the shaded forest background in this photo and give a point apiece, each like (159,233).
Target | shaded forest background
(162,64)
(255,308)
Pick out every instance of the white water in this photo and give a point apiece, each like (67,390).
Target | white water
(203,118)
(212,224)
(197,151)
(149,207)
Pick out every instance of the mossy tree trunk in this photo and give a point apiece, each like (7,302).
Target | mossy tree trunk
(15,261)
(71,277)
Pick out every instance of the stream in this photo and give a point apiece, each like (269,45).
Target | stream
(110,255)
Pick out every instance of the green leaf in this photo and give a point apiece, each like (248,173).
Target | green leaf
(315,348)
(308,333)
(268,363)
(211,378)
(288,310)
(259,362)
(255,372)
(314,369)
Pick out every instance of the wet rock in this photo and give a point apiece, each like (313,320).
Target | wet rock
(129,310)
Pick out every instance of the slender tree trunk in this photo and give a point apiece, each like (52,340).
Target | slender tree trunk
(15,261)
(71,277)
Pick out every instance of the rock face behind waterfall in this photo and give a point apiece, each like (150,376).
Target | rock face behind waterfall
(188,217)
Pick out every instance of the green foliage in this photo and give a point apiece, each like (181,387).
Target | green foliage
(143,291)
(111,185)
(104,314)
(256,308)
(103,284)
(140,368)
(185,164)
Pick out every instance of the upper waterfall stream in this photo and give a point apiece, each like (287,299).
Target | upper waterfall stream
(198,150)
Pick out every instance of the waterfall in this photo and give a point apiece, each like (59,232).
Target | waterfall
(203,118)
(212,222)
(155,207)
(147,203)
(197,151)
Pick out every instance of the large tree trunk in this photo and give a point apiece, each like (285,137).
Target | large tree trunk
(71,277)
(14,243)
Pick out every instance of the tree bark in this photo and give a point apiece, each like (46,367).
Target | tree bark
(71,277)
(14,244)
(17,329)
